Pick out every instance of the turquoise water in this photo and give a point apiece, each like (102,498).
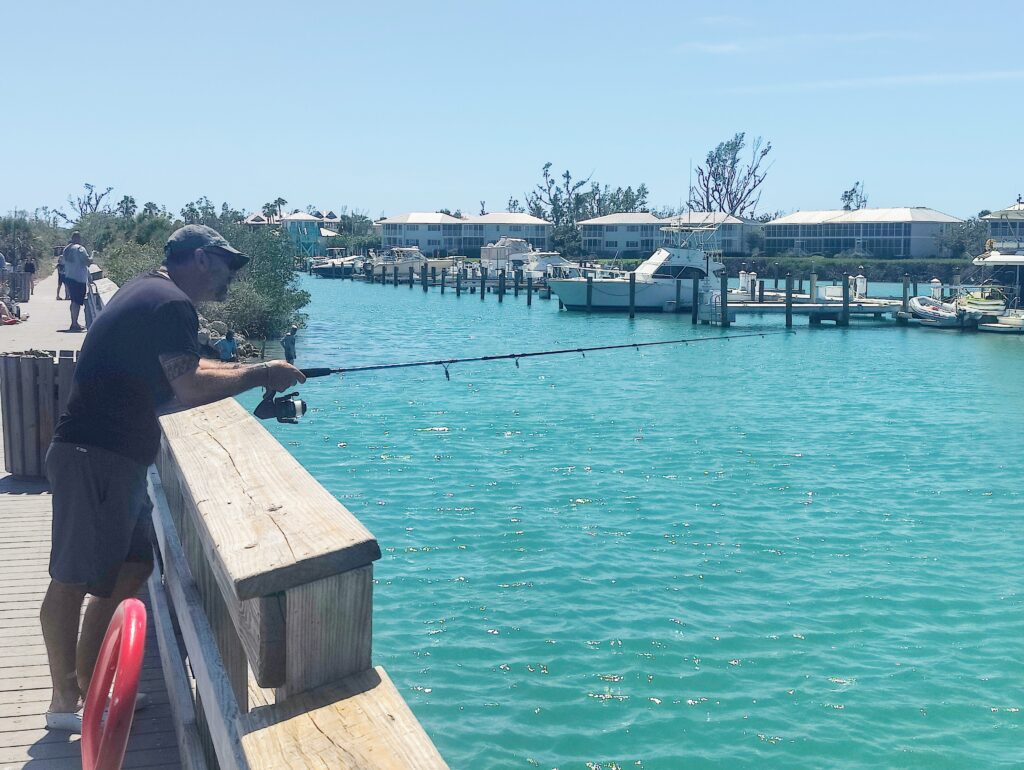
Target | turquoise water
(790,551)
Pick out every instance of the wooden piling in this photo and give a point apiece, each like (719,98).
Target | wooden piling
(800,287)
(433,275)
(813,289)
(760,291)
(632,294)
(695,303)
(458,283)
(444,275)
(501,285)
(789,300)
(483,282)
(753,291)
(515,278)
(906,293)
(844,318)
(423,276)
(724,321)
(529,290)
(335,267)
(590,292)
(412,281)
(915,290)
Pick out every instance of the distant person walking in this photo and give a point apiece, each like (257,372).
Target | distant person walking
(288,343)
(76,277)
(60,275)
(226,347)
(30,268)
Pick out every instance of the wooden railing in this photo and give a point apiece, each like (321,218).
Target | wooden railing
(271,579)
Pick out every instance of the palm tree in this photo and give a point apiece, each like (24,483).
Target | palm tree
(280,203)
(270,211)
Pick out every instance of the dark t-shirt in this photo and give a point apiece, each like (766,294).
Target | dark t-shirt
(119,383)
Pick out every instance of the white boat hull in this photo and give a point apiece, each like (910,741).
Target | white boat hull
(613,293)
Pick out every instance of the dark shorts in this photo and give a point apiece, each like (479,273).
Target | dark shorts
(76,291)
(102,515)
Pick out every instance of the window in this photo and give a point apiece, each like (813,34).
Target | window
(411,228)
(611,244)
(515,228)
(434,228)
(632,228)
(632,244)
(611,228)
(433,242)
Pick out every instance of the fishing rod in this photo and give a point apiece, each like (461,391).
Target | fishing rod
(287,408)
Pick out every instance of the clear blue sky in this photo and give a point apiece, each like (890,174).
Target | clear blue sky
(398,106)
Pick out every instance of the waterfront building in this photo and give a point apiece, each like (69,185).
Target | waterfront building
(1006,227)
(637,234)
(430,231)
(434,232)
(489,228)
(903,232)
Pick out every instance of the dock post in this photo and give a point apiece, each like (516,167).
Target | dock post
(458,283)
(411,281)
(776,275)
(529,290)
(483,282)
(753,291)
(800,286)
(813,289)
(383,275)
(444,275)
(760,291)
(501,285)
(371,273)
(632,295)
(844,318)
(724,321)
(516,275)
(423,276)
(394,275)
(789,300)
(433,275)
(695,303)
(915,289)
(590,292)
(679,292)
(906,293)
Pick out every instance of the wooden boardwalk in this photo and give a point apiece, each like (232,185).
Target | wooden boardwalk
(24,554)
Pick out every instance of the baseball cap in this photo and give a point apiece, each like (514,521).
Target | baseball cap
(185,240)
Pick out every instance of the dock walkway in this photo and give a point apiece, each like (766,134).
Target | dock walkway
(24,555)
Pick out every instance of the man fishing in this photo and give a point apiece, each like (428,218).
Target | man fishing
(140,358)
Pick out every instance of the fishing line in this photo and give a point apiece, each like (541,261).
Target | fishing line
(446,362)
(288,408)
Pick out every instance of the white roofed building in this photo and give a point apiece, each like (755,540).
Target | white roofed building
(908,232)
(489,228)
(431,231)
(434,232)
(640,233)
(1006,226)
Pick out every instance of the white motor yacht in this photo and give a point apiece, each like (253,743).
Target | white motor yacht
(656,278)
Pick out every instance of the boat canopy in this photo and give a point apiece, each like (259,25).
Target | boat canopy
(1000,259)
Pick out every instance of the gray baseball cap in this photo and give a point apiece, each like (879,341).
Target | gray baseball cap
(185,240)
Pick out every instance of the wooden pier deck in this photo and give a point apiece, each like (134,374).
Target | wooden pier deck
(24,554)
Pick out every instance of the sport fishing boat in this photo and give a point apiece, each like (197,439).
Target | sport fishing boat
(934,312)
(655,278)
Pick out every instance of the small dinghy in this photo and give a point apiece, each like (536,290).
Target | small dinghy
(932,312)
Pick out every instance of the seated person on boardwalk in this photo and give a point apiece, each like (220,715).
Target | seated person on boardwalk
(140,358)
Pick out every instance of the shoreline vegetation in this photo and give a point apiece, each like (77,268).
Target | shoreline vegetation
(264,300)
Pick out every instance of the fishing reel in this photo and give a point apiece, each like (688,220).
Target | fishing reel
(285,408)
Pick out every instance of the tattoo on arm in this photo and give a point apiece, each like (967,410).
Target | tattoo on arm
(175,366)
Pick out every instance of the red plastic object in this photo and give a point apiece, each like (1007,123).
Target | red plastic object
(119,663)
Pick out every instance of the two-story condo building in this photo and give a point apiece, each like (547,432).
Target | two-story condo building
(870,232)
(433,232)
(639,234)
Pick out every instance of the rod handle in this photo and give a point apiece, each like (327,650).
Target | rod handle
(317,372)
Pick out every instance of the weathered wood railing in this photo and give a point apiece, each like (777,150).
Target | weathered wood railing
(271,579)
